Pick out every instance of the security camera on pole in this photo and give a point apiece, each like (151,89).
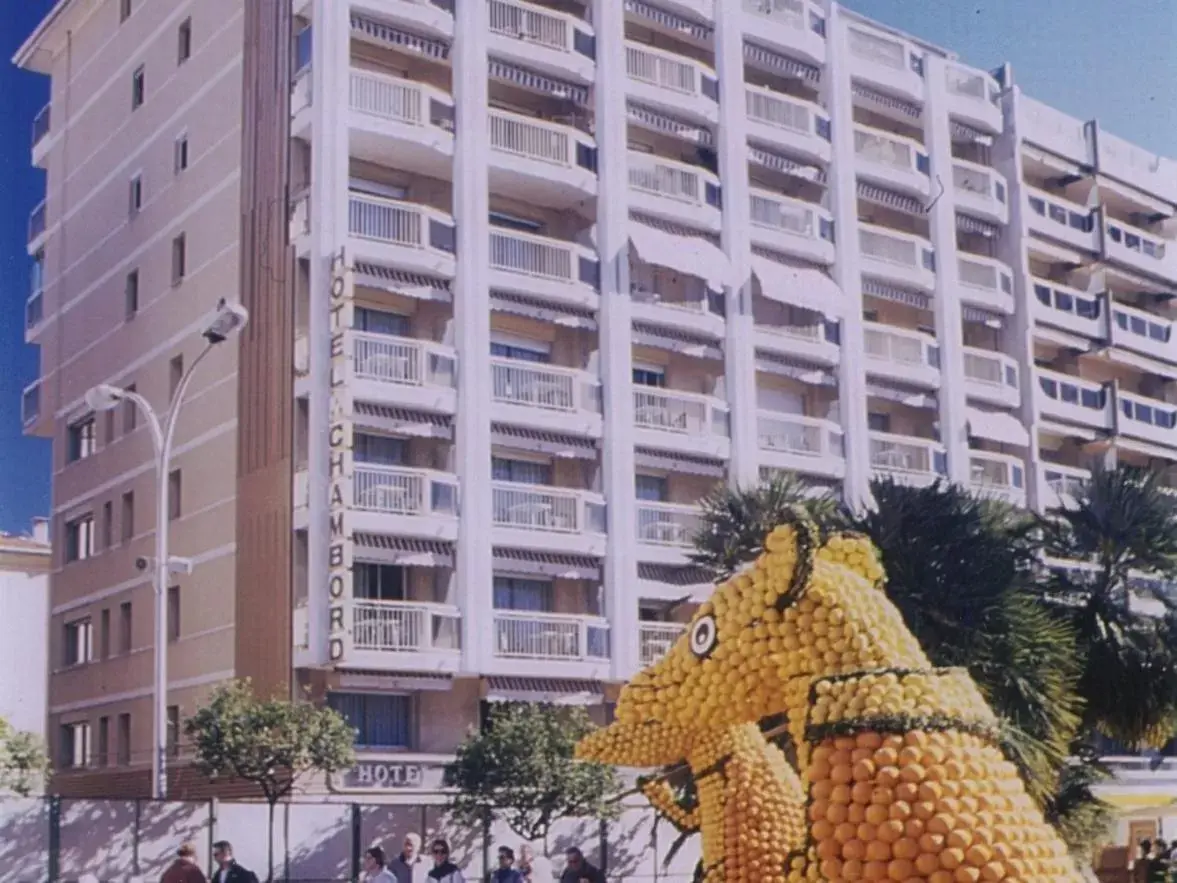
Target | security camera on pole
(228,319)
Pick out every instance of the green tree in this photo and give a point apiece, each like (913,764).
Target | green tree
(23,762)
(269,742)
(522,766)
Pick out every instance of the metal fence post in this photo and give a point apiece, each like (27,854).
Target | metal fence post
(135,840)
(603,832)
(54,839)
(356,842)
(213,805)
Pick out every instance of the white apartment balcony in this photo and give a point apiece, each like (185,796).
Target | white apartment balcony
(991,377)
(1143,332)
(688,423)
(814,343)
(907,459)
(41,133)
(393,116)
(887,60)
(674,191)
(806,445)
(540,37)
(1066,222)
(1061,485)
(980,191)
(401,234)
(800,126)
(551,269)
(655,640)
(1146,419)
(893,256)
(1140,250)
(1071,400)
(403,371)
(30,404)
(568,645)
(537,161)
(999,476)
(900,354)
(548,398)
(405,636)
(792,226)
(973,98)
(666,531)
(985,282)
(891,160)
(701,314)
(1068,309)
(548,519)
(34,314)
(672,82)
(796,26)
(37,227)
(432,17)
(403,501)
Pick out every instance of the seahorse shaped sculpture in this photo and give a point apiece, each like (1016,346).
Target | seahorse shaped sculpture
(900,776)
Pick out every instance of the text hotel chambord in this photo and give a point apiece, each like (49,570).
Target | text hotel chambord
(339,557)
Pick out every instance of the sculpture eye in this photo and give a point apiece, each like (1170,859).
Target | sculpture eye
(704,636)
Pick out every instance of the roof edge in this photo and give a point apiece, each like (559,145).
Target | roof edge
(23,58)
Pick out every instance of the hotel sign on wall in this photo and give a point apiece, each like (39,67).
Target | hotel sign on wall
(339,470)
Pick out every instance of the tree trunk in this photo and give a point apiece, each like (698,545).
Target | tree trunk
(270,844)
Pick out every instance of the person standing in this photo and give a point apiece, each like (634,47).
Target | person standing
(228,871)
(184,869)
(506,872)
(375,867)
(409,866)
(535,868)
(578,870)
(1138,868)
(444,870)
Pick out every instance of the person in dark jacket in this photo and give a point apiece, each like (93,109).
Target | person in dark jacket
(228,871)
(578,870)
(444,870)
(506,872)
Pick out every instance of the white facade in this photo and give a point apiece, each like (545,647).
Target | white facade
(24,629)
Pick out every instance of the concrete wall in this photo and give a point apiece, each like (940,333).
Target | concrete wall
(24,612)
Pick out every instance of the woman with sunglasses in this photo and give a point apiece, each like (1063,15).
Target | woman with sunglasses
(444,871)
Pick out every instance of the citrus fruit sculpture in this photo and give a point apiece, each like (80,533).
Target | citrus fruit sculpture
(899,775)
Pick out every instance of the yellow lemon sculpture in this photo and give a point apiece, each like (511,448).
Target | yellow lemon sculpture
(900,777)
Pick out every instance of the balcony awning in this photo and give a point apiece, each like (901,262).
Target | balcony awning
(967,133)
(692,255)
(796,369)
(766,58)
(770,159)
(537,442)
(551,564)
(675,340)
(403,421)
(549,691)
(533,308)
(969,224)
(882,196)
(886,291)
(381,549)
(799,286)
(884,100)
(670,462)
(380,680)
(912,398)
(415,285)
(998,426)
(378,32)
(534,81)
(668,124)
(674,23)
(985,317)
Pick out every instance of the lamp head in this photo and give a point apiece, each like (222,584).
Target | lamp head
(227,321)
(103,397)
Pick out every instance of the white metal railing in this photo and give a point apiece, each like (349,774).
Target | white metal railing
(666,70)
(884,148)
(798,434)
(550,636)
(776,109)
(667,524)
(547,509)
(992,369)
(655,640)
(999,472)
(395,99)
(981,272)
(405,626)
(398,490)
(390,220)
(549,387)
(679,412)
(541,257)
(783,214)
(906,454)
(532,24)
(900,346)
(531,138)
(894,246)
(402,360)
(879,49)
(669,178)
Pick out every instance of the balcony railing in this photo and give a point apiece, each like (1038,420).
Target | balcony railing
(402,360)
(37,221)
(1065,220)
(904,455)
(397,490)
(1146,332)
(898,346)
(799,435)
(34,310)
(970,83)
(671,179)
(547,509)
(1069,308)
(655,640)
(782,111)
(992,369)
(667,524)
(1082,400)
(1062,483)
(980,183)
(987,274)
(895,247)
(541,257)
(539,140)
(400,223)
(551,636)
(998,473)
(1148,250)
(778,213)
(682,413)
(30,404)
(671,72)
(891,151)
(534,24)
(406,627)
(400,101)
(874,47)
(41,125)
(1148,418)
(549,387)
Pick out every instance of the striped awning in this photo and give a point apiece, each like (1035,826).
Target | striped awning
(415,285)
(364,679)
(534,81)
(886,291)
(404,421)
(550,564)
(381,549)
(669,20)
(795,369)
(378,32)
(884,100)
(675,340)
(882,196)
(544,311)
(675,575)
(763,57)
(913,398)
(539,442)
(969,224)
(548,691)
(973,314)
(673,462)
(770,159)
(961,132)
(669,124)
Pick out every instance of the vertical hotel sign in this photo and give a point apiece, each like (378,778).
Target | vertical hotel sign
(339,470)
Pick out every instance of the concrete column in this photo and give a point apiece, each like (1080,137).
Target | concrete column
(954,430)
(330,43)
(471,205)
(740,354)
(616,335)
(843,203)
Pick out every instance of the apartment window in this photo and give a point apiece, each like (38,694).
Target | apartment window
(175,489)
(136,194)
(520,350)
(179,258)
(75,745)
(107,524)
(79,642)
(175,375)
(173,734)
(184,41)
(877,422)
(381,720)
(646,375)
(651,488)
(123,740)
(83,439)
(130,413)
(173,613)
(131,294)
(125,624)
(381,322)
(104,634)
(103,753)
(108,431)
(380,449)
(514,593)
(521,471)
(128,519)
(79,538)
(181,153)
(124,10)
(138,87)
(379,582)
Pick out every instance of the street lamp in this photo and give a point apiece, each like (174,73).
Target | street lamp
(228,319)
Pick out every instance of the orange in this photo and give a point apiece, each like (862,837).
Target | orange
(900,869)
(835,812)
(876,814)
(900,810)
(940,823)
(878,851)
(866,832)
(861,792)
(978,856)
(932,842)
(940,877)
(951,859)
(863,771)
(966,874)
(905,847)
(927,863)
(852,869)
(960,838)
(845,831)
(993,871)
(874,870)
(854,849)
(890,831)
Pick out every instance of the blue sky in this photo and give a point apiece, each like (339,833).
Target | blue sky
(1090,58)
